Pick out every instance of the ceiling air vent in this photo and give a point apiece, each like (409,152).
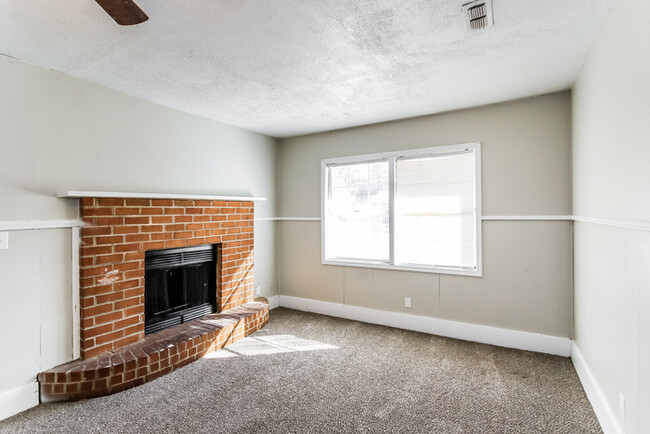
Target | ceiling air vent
(478,14)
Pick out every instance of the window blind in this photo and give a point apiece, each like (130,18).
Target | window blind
(435,210)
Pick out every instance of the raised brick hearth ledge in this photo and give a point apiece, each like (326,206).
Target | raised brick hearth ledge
(158,354)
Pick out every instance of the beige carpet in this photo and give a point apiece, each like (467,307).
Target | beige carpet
(307,373)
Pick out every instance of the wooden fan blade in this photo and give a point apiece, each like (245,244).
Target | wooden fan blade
(124,12)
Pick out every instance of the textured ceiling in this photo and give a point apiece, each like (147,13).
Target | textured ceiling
(290,67)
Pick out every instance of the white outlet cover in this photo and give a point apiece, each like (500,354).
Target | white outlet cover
(407,301)
(4,240)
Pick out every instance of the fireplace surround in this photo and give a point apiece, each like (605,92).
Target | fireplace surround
(117,234)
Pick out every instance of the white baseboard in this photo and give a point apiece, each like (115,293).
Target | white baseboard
(274,301)
(453,329)
(20,399)
(603,411)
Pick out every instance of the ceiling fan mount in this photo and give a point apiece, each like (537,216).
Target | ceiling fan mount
(124,12)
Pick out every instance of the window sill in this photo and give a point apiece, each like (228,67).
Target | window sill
(380,266)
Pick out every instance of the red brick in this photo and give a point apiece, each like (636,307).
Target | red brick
(109,221)
(108,259)
(162,202)
(174,210)
(98,212)
(137,238)
(138,202)
(113,296)
(151,211)
(127,303)
(163,220)
(125,211)
(93,251)
(162,236)
(96,271)
(126,229)
(111,239)
(95,230)
(109,317)
(110,337)
(151,228)
(120,248)
(180,235)
(136,220)
(110,202)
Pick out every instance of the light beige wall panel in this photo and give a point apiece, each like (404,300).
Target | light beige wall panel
(265,252)
(35,305)
(358,286)
(301,273)
(526,283)
(54,276)
(19,304)
(595,290)
(611,161)
(611,111)
(628,328)
(528,291)
(390,288)
(525,153)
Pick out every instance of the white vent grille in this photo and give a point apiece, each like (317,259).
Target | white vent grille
(478,14)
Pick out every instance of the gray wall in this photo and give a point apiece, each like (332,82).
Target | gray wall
(526,159)
(58,133)
(611,178)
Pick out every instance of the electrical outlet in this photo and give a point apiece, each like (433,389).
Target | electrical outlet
(621,405)
(258,290)
(4,240)
(407,301)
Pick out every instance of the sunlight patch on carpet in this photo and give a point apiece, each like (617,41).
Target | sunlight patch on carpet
(255,346)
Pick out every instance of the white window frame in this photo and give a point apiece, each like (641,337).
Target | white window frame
(391,157)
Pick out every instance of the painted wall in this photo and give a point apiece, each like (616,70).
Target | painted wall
(611,178)
(58,133)
(526,159)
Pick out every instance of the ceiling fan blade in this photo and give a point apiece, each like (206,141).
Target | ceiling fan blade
(124,12)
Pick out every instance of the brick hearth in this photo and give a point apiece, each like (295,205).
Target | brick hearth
(158,354)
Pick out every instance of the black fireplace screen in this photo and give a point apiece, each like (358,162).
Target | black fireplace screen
(179,285)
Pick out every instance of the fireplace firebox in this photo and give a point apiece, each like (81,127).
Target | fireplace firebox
(180,285)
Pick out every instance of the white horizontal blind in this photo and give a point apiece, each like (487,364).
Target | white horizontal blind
(357,212)
(435,210)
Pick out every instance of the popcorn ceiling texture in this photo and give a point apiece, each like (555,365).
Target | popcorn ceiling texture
(291,67)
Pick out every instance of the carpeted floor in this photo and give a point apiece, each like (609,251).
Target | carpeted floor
(307,373)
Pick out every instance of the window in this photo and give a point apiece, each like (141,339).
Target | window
(413,210)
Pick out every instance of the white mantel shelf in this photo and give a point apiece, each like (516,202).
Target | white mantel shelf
(75,194)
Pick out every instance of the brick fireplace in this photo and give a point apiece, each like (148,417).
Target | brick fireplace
(116,234)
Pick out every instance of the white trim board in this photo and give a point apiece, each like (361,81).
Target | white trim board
(76,194)
(19,399)
(274,301)
(527,217)
(638,225)
(454,329)
(289,219)
(25,225)
(603,411)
